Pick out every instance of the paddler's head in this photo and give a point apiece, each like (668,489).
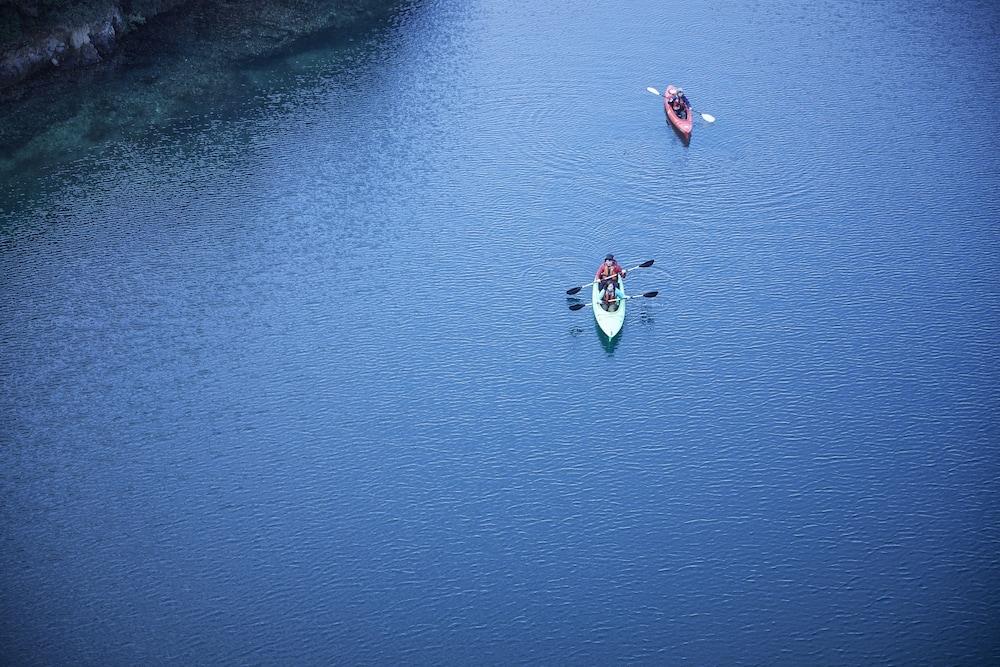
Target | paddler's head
(609,259)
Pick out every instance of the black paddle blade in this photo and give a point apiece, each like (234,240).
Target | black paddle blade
(649,295)
(574,290)
(647,264)
(578,306)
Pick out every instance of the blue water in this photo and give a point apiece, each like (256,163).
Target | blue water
(298,383)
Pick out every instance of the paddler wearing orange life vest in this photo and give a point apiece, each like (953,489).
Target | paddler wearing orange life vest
(611,296)
(609,269)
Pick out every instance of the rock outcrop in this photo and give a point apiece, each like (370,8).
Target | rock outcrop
(72,46)
(46,35)
(72,84)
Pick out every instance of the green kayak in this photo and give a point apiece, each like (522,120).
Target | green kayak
(610,321)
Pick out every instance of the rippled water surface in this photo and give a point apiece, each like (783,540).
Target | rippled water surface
(295,381)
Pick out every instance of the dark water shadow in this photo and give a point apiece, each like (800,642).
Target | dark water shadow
(165,82)
(609,344)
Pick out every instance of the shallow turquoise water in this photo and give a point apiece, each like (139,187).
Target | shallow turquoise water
(292,379)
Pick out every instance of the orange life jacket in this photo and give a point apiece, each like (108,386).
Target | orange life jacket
(606,272)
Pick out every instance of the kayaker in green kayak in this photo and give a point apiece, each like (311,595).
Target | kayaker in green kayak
(611,296)
(609,269)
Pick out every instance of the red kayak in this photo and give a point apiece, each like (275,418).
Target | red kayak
(682,125)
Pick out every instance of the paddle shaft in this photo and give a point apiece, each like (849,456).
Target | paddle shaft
(707,117)
(645,265)
(644,295)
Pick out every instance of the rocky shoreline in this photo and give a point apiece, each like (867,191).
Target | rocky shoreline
(71,82)
(77,46)
(42,36)
(85,33)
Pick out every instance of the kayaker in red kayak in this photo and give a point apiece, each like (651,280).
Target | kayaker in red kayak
(609,269)
(679,103)
(611,296)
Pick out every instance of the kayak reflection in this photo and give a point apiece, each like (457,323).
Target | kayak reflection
(608,343)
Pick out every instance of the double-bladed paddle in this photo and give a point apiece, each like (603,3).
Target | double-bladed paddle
(644,295)
(645,265)
(707,117)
